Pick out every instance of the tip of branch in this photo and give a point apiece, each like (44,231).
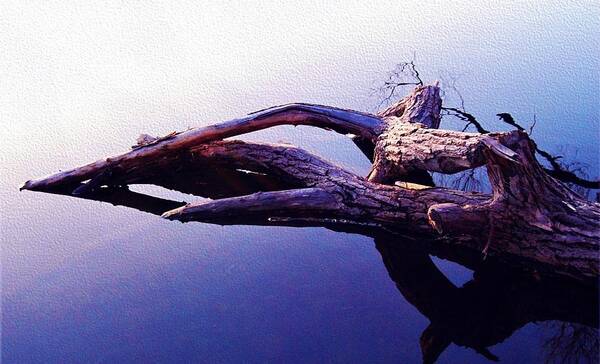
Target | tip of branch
(174,214)
(31,185)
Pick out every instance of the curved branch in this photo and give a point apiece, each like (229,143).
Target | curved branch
(465,116)
(339,120)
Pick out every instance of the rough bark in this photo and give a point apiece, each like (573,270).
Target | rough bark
(530,220)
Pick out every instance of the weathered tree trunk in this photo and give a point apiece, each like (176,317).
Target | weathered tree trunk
(530,220)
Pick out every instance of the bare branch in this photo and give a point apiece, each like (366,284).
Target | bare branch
(465,116)
(533,124)
(404,74)
(343,121)
(557,171)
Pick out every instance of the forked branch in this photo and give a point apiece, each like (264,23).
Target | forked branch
(531,220)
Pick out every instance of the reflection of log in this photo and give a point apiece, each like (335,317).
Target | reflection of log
(486,310)
(530,220)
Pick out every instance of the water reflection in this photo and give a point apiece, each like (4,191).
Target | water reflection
(490,308)
(485,311)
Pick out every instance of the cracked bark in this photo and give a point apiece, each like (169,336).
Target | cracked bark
(530,220)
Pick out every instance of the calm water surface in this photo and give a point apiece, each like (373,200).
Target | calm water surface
(88,282)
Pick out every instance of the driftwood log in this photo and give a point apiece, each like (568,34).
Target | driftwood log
(530,220)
